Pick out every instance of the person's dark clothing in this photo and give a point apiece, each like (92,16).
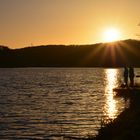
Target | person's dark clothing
(125,76)
(131,76)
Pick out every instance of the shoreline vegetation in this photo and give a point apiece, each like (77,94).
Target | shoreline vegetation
(115,54)
(127,125)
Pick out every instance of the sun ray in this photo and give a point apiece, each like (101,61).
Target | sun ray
(91,54)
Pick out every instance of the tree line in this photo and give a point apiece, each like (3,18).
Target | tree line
(115,54)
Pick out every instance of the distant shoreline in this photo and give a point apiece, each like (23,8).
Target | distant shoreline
(106,55)
(63,67)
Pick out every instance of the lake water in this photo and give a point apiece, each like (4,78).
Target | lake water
(47,103)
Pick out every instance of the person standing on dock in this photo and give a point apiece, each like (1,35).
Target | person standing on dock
(131,76)
(125,76)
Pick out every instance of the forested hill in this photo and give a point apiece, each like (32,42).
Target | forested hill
(116,54)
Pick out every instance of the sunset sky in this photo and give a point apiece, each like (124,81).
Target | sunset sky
(41,22)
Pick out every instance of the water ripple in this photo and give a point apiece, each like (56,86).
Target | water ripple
(48,103)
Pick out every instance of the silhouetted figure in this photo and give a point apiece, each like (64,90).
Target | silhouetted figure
(131,76)
(125,76)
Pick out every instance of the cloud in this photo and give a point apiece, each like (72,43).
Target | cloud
(138,35)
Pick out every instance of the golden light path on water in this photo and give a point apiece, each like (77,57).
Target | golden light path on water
(110,82)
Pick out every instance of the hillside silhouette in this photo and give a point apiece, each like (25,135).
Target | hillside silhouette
(116,54)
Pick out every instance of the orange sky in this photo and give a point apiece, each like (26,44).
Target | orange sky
(40,22)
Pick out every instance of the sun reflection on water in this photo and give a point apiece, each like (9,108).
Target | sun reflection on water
(110,82)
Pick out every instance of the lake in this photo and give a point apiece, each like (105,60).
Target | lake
(47,103)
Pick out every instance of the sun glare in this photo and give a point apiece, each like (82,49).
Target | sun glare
(111,34)
(111,82)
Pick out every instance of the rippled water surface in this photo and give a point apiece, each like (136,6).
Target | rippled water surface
(45,103)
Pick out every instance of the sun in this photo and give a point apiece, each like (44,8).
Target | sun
(111,34)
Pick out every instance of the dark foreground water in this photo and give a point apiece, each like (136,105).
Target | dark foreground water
(46,103)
